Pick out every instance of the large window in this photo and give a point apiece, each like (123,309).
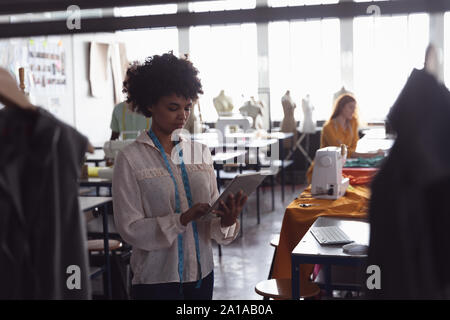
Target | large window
(284,3)
(143,43)
(145,10)
(204,6)
(226,59)
(386,49)
(304,57)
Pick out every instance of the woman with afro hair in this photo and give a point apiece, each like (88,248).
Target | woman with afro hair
(161,197)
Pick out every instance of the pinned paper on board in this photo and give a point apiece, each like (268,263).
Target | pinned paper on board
(46,67)
(98,69)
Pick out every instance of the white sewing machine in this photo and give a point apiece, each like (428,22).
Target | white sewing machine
(327,181)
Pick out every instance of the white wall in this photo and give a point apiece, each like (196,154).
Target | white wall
(92,115)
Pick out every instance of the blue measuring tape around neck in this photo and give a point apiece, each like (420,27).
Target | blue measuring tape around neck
(187,189)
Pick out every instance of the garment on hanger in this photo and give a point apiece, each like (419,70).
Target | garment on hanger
(409,211)
(42,231)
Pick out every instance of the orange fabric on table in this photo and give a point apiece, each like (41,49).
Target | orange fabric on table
(358,176)
(298,220)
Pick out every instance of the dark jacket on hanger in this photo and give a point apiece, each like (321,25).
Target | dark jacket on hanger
(409,209)
(42,231)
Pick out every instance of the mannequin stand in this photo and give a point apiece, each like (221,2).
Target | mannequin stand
(298,145)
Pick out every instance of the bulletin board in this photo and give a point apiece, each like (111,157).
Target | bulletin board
(44,62)
(47,67)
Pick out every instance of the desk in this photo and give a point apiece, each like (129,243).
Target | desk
(97,183)
(309,251)
(254,144)
(224,157)
(283,162)
(247,141)
(252,135)
(297,221)
(372,144)
(102,204)
(298,144)
(96,157)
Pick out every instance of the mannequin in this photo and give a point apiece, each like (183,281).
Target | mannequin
(288,124)
(340,93)
(253,109)
(223,104)
(308,125)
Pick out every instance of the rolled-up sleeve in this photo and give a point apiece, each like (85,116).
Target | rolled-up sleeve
(133,225)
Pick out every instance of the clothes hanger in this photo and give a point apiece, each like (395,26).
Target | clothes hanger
(11,96)
(431,60)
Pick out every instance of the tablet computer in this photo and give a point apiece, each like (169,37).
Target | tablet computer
(247,182)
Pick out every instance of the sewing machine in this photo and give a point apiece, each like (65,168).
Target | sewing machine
(327,181)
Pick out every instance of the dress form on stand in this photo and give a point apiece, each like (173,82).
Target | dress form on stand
(308,125)
(288,124)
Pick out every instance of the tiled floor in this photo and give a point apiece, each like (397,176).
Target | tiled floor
(247,260)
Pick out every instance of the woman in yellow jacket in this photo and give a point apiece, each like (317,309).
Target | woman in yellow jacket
(342,128)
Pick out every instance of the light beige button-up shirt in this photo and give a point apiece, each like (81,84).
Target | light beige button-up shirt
(144,210)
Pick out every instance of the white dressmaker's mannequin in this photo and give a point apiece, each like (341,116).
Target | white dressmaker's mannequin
(223,104)
(253,109)
(308,125)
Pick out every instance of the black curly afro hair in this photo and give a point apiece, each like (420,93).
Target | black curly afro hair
(159,76)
